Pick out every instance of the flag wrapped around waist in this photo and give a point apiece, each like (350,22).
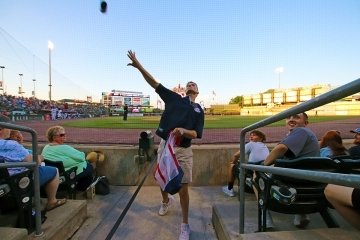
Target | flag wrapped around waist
(168,173)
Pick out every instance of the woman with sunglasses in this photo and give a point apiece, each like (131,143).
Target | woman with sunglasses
(57,150)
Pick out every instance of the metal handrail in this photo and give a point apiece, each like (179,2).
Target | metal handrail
(333,95)
(33,166)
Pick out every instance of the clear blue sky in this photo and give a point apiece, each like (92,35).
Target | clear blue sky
(230,47)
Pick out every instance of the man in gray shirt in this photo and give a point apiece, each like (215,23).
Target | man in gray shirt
(299,142)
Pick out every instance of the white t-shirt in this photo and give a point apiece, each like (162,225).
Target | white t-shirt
(256,151)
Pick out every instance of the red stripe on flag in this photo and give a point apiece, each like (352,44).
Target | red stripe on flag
(173,156)
(160,173)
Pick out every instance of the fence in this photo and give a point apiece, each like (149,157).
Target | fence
(346,180)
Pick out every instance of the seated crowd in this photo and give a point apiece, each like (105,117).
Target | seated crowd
(12,150)
(61,110)
(302,142)
(299,142)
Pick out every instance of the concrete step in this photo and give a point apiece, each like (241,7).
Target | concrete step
(13,233)
(225,219)
(63,221)
(321,233)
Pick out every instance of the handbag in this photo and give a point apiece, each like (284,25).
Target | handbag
(168,173)
(102,185)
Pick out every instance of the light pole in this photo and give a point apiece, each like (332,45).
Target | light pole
(279,70)
(50,47)
(34,80)
(20,88)
(2,85)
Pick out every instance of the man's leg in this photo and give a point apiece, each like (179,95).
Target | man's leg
(184,202)
(166,202)
(341,199)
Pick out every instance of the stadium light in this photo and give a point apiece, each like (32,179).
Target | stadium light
(2,85)
(50,47)
(34,80)
(21,92)
(279,70)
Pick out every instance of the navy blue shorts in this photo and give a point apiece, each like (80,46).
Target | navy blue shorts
(355,198)
(236,168)
(46,174)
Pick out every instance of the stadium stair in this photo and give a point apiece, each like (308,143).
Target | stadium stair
(61,223)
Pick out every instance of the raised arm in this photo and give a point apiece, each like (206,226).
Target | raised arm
(136,64)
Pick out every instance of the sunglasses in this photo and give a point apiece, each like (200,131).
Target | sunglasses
(61,135)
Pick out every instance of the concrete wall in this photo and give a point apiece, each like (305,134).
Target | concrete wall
(123,167)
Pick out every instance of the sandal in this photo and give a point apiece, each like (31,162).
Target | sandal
(58,203)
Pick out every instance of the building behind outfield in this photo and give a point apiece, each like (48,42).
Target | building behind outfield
(120,98)
(133,99)
(276,100)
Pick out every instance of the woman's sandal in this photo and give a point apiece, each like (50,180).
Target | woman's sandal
(58,203)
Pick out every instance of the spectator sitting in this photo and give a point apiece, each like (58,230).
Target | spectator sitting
(56,150)
(299,142)
(354,151)
(11,151)
(16,136)
(331,144)
(256,152)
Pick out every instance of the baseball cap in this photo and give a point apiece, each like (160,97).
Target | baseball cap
(356,130)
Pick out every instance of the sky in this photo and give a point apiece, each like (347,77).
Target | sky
(230,48)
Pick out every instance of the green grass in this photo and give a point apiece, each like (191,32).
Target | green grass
(211,122)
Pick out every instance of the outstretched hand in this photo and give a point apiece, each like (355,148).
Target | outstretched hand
(134,62)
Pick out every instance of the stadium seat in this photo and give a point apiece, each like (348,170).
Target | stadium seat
(16,194)
(294,196)
(67,178)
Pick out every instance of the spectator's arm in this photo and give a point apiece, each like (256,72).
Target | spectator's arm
(278,152)
(235,157)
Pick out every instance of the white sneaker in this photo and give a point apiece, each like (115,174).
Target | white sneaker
(269,220)
(164,207)
(301,220)
(228,192)
(184,232)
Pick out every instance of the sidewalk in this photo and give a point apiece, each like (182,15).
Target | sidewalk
(143,222)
